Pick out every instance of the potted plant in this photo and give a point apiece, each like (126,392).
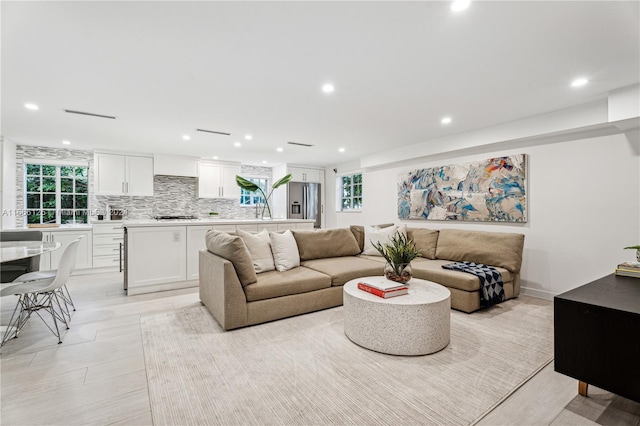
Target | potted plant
(637,249)
(398,252)
(252,187)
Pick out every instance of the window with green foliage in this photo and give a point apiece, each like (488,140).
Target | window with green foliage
(351,192)
(56,194)
(252,198)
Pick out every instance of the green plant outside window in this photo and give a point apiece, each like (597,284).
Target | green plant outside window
(351,192)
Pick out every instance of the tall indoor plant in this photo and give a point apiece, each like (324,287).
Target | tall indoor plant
(253,187)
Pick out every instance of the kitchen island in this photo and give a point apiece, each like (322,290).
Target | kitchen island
(163,254)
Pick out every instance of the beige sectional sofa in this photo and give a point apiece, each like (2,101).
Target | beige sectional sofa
(238,297)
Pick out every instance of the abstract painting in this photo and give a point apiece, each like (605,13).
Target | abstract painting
(492,190)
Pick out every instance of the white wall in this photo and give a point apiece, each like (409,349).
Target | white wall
(8,195)
(583,201)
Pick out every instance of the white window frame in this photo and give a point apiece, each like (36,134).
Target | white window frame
(255,195)
(58,193)
(340,192)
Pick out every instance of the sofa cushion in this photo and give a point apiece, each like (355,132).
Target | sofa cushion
(373,234)
(491,248)
(358,232)
(294,281)
(343,269)
(259,246)
(425,241)
(232,248)
(323,243)
(285,250)
(432,270)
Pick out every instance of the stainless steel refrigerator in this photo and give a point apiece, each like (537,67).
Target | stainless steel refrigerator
(304,201)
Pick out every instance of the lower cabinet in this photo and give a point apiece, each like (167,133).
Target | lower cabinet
(156,257)
(83,255)
(108,240)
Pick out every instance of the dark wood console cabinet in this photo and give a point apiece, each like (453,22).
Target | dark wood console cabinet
(597,335)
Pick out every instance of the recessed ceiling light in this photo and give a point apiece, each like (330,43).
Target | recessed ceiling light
(66,143)
(446,120)
(31,106)
(186,137)
(579,82)
(237,144)
(328,88)
(215,157)
(279,149)
(341,149)
(459,5)
(248,137)
(264,162)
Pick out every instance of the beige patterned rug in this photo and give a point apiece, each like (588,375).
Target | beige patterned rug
(305,371)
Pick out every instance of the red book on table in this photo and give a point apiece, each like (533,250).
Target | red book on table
(381,293)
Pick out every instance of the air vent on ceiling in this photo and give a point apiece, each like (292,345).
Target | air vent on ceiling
(70,111)
(300,144)
(213,131)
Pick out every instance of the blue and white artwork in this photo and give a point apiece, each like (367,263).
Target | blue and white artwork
(493,190)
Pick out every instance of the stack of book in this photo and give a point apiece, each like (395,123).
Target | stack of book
(382,287)
(629,269)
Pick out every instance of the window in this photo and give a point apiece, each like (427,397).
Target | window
(351,192)
(56,194)
(252,198)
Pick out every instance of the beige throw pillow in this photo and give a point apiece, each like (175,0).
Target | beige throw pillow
(285,250)
(259,246)
(232,248)
(373,234)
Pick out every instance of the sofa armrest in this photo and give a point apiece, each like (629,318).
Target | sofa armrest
(221,291)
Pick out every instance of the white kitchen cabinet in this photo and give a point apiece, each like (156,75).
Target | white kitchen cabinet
(299,174)
(195,243)
(173,165)
(117,174)
(108,239)
(83,255)
(156,256)
(217,180)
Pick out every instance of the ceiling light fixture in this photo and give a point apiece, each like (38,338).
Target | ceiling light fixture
(328,88)
(186,137)
(341,149)
(33,107)
(248,137)
(237,144)
(446,120)
(279,149)
(90,114)
(460,5)
(213,131)
(579,82)
(215,157)
(264,161)
(66,143)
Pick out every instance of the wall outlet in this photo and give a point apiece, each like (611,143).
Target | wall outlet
(176,237)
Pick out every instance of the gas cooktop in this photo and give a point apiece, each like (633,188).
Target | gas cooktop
(168,217)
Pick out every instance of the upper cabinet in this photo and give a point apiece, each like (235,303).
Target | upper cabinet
(173,165)
(217,180)
(299,174)
(117,174)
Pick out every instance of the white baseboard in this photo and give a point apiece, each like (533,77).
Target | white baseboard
(540,294)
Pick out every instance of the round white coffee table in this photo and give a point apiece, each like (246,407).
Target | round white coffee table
(417,323)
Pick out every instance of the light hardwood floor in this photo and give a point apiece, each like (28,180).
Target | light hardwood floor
(97,375)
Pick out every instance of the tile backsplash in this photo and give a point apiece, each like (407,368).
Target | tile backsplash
(172,195)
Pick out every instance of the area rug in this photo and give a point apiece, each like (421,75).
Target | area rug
(305,371)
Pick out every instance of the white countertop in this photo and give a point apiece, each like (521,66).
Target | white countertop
(77,227)
(195,222)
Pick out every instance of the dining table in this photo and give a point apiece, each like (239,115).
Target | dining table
(14,250)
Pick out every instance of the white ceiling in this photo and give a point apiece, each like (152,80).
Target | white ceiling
(167,68)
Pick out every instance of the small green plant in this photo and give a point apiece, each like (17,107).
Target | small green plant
(252,187)
(633,247)
(399,251)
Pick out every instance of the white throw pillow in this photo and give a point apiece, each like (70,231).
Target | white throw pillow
(373,234)
(285,250)
(259,246)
